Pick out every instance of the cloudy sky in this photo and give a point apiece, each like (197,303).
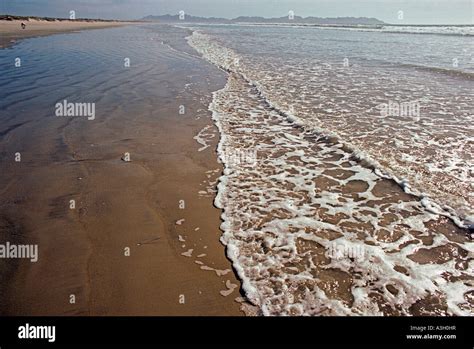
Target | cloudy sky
(415,11)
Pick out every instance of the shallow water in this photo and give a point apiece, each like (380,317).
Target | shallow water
(404,101)
(314,219)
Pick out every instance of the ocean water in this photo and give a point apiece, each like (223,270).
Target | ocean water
(325,134)
(88,67)
(349,159)
(340,80)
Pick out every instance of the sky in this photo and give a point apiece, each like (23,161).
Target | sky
(414,11)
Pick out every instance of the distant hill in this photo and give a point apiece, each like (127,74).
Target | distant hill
(54,19)
(188,18)
(344,21)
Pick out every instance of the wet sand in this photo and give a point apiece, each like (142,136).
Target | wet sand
(120,207)
(160,207)
(11,31)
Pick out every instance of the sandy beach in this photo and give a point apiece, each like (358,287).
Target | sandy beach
(133,214)
(143,237)
(171,170)
(12,31)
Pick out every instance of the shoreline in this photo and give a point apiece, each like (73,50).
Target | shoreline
(431,204)
(445,226)
(11,31)
(280,228)
(166,204)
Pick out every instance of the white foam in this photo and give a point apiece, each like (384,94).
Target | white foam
(263,229)
(204,136)
(230,288)
(188,253)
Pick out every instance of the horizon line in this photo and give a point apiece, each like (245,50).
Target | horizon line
(225,18)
